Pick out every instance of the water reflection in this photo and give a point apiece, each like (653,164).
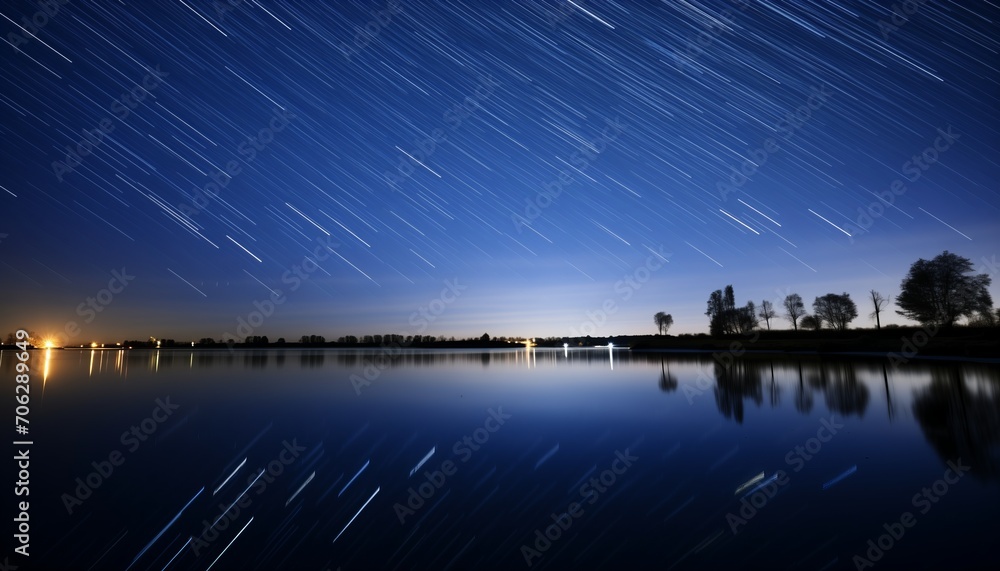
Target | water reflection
(737,381)
(888,393)
(255,359)
(695,448)
(668,382)
(155,360)
(843,393)
(961,419)
(741,381)
(773,389)
(803,395)
(957,405)
(312,358)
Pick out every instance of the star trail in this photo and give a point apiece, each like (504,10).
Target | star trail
(354,164)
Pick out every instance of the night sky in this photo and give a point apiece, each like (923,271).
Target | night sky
(509,167)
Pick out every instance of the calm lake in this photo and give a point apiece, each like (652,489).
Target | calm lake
(507,459)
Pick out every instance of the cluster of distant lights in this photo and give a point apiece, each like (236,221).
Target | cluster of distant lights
(96,345)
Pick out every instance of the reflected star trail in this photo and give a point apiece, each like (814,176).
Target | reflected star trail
(344,162)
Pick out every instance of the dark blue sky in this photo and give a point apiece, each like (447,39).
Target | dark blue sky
(516,168)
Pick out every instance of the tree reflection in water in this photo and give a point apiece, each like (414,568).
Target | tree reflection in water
(962,421)
(803,394)
(844,394)
(742,379)
(739,380)
(668,382)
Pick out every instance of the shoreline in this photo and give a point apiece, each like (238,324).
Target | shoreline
(896,344)
(640,349)
(869,355)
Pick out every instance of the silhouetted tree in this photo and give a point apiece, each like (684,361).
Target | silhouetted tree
(663,321)
(767,313)
(983,319)
(33,339)
(940,291)
(715,311)
(837,310)
(725,318)
(879,302)
(794,309)
(729,309)
(485,338)
(746,318)
(810,322)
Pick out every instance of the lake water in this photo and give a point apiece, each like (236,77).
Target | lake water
(564,459)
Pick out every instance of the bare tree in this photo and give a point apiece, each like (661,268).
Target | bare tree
(794,309)
(879,302)
(767,313)
(663,321)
